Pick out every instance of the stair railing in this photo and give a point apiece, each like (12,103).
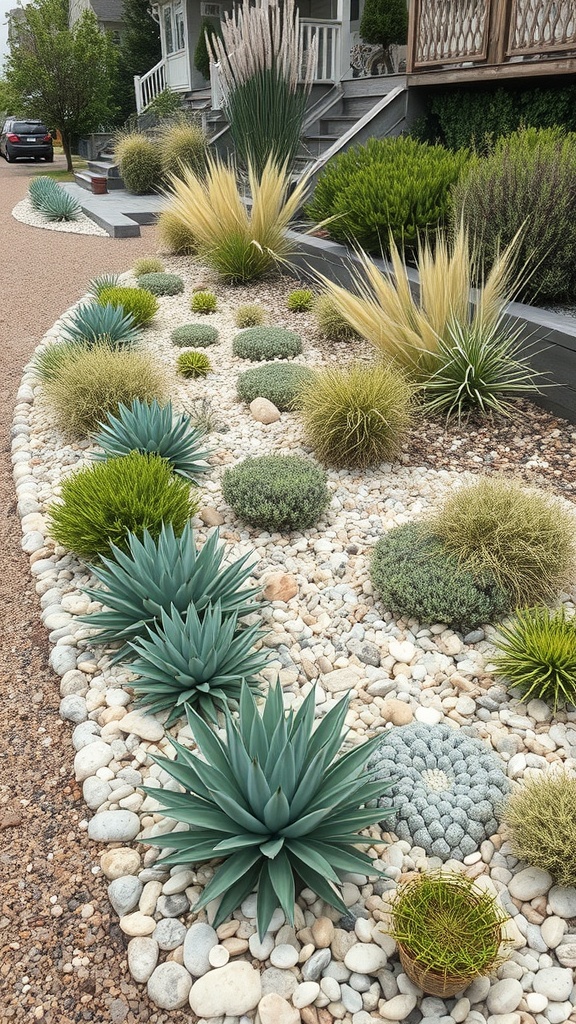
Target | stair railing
(147,87)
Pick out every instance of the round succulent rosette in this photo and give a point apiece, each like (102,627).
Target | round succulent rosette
(447,786)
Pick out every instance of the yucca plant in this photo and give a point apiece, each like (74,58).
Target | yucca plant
(267,76)
(154,428)
(92,323)
(537,655)
(241,244)
(384,311)
(154,575)
(272,802)
(193,364)
(39,188)
(479,369)
(60,206)
(101,282)
(193,661)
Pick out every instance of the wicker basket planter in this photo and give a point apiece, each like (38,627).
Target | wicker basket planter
(434,983)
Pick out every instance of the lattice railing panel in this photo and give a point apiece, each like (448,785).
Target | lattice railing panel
(542,24)
(451,30)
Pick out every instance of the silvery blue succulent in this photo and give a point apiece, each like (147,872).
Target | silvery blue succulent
(446,787)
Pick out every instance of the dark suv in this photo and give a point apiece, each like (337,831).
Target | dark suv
(26,138)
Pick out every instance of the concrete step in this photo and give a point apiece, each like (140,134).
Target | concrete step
(336,125)
(84,179)
(108,168)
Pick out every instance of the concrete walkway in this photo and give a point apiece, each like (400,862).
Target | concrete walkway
(120,213)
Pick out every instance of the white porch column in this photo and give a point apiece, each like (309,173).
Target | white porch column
(343,16)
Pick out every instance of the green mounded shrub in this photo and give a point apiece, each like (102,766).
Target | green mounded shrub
(203,302)
(280,383)
(356,415)
(105,502)
(156,574)
(193,364)
(250,315)
(416,578)
(154,429)
(258,343)
(276,492)
(525,539)
(385,23)
(541,823)
(528,182)
(92,383)
(94,324)
(274,803)
(208,27)
(537,655)
(148,265)
(140,163)
(448,928)
(174,235)
(193,661)
(139,303)
(200,335)
(330,321)
(183,144)
(161,284)
(394,186)
(166,104)
(300,300)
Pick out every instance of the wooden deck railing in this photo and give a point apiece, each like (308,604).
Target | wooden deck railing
(489,32)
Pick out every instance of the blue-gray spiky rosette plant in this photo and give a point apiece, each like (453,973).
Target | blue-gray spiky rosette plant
(273,803)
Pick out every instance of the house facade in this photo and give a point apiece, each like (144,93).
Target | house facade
(108,15)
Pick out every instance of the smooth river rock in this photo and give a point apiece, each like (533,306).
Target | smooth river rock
(231,990)
(114,826)
(200,938)
(169,985)
(273,1009)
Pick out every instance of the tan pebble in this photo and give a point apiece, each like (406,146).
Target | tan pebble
(235,946)
(309,1015)
(304,935)
(322,932)
(211,516)
(280,586)
(119,862)
(396,711)
(306,953)
(264,411)
(176,955)
(137,924)
(228,929)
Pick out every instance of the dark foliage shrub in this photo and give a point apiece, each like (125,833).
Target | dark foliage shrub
(276,492)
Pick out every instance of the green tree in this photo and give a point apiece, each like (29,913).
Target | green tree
(63,76)
(209,27)
(9,101)
(385,23)
(139,51)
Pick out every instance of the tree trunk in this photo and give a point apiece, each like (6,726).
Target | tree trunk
(67,150)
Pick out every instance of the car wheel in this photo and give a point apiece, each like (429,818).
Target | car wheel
(9,158)
(49,159)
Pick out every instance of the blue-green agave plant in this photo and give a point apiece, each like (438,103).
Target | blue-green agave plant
(91,323)
(154,575)
(60,206)
(40,188)
(199,662)
(151,427)
(274,803)
(103,281)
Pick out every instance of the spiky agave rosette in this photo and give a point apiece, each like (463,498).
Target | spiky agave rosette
(273,803)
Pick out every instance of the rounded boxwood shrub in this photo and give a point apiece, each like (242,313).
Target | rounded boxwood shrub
(356,415)
(91,383)
(161,284)
(105,502)
(250,315)
(203,302)
(394,185)
(417,578)
(193,364)
(141,304)
(276,492)
(140,163)
(280,383)
(524,538)
(199,335)
(258,343)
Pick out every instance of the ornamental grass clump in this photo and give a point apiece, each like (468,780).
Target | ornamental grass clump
(155,429)
(250,315)
(199,335)
(257,343)
(276,492)
(356,415)
(171,571)
(193,364)
(148,265)
(300,300)
(94,323)
(203,302)
(242,243)
(536,655)
(417,578)
(91,383)
(389,190)
(525,539)
(272,802)
(267,74)
(193,661)
(280,383)
(449,931)
(47,363)
(175,236)
(103,503)
(330,321)
(407,330)
(183,144)
(141,305)
(540,817)
(161,283)
(140,163)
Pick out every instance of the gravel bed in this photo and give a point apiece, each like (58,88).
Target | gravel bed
(25,212)
(332,632)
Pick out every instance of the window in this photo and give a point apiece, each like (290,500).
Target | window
(174,27)
(179,17)
(168,33)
